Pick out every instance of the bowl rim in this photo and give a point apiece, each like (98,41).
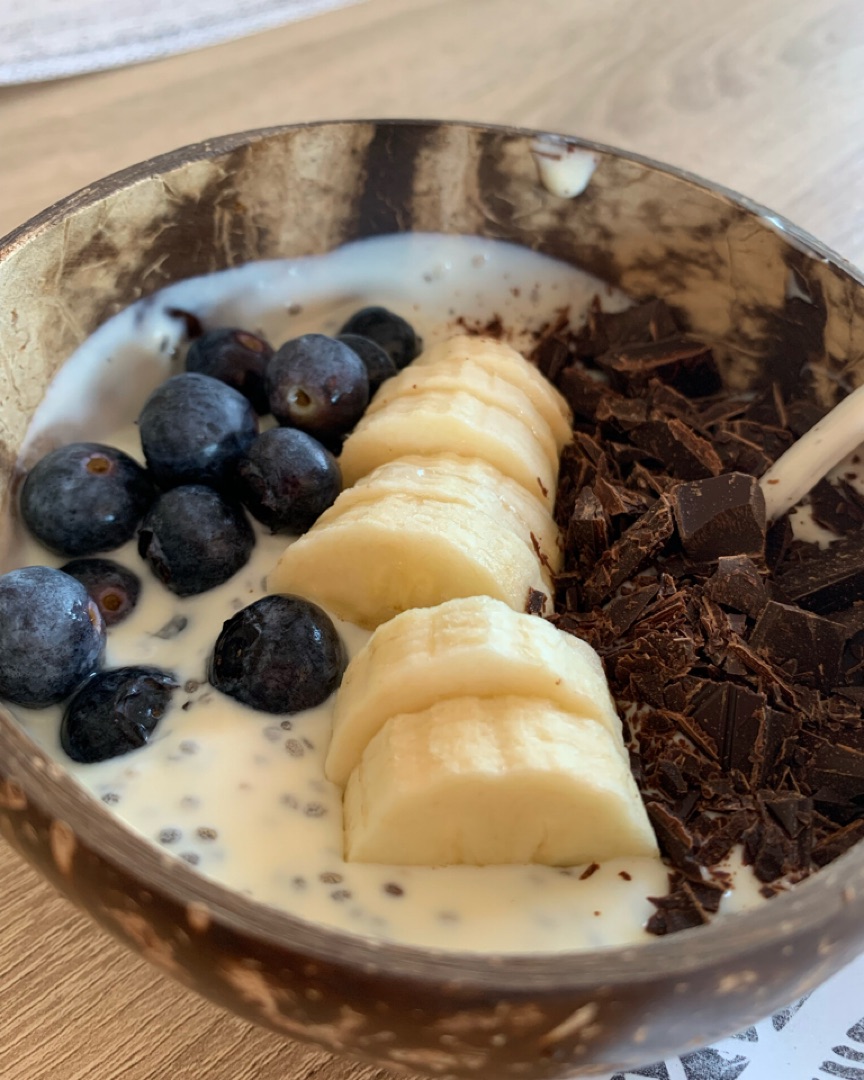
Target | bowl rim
(810,906)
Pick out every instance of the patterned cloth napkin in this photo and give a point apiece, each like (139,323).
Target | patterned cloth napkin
(818,1037)
(50,39)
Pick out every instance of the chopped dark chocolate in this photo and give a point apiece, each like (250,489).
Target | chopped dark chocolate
(836,843)
(675,839)
(682,908)
(814,644)
(829,582)
(582,392)
(836,774)
(630,552)
(684,454)
(649,321)
(536,602)
(624,610)
(737,583)
(587,535)
(683,362)
(732,716)
(722,515)
(837,506)
(734,654)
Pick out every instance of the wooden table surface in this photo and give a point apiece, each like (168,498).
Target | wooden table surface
(764,96)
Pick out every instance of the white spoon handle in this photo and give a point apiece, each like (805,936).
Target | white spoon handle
(814,455)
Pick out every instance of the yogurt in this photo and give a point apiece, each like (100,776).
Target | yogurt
(241,795)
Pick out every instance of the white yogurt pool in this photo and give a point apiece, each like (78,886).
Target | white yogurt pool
(241,794)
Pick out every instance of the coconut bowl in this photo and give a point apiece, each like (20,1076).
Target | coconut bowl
(776,305)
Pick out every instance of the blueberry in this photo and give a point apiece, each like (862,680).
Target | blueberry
(113,588)
(193,539)
(237,358)
(286,479)
(395,336)
(193,430)
(115,712)
(85,497)
(51,636)
(378,364)
(319,385)
(279,655)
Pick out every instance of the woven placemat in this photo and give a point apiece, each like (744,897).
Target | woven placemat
(51,39)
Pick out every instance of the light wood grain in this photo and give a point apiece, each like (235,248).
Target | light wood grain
(761,95)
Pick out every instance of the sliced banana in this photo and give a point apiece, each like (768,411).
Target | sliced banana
(463,482)
(455,422)
(452,375)
(474,647)
(501,359)
(493,780)
(400,552)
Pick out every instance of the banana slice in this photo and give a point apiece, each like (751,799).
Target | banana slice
(457,423)
(503,360)
(493,780)
(448,376)
(473,647)
(463,482)
(381,558)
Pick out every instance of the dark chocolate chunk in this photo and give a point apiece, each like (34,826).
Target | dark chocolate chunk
(681,361)
(777,542)
(587,534)
(551,356)
(794,812)
(829,581)
(784,633)
(836,774)
(851,619)
(624,412)
(739,454)
(630,552)
(649,321)
(737,583)
(721,834)
(684,454)
(732,716)
(680,909)
(624,610)
(619,501)
(803,415)
(721,515)
(582,392)
(837,506)
(536,602)
(836,843)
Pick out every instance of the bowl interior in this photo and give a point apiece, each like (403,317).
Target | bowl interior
(776,306)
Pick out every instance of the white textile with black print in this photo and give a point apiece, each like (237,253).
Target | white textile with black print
(816,1038)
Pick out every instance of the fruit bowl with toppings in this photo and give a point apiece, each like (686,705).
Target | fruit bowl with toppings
(419,654)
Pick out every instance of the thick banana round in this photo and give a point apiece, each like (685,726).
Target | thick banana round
(451,376)
(493,780)
(455,423)
(501,359)
(464,482)
(474,647)
(400,552)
